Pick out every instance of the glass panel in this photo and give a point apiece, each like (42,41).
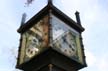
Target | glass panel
(57,28)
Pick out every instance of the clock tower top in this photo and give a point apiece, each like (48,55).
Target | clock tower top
(50,1)
(51,40)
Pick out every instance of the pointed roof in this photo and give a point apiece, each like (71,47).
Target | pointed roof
(55,11)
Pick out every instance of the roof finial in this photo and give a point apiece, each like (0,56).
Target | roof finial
(50,2)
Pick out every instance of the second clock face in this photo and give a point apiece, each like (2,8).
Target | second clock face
(36,39)
(64,38)
(33,45)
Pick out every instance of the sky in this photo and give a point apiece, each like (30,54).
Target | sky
(93,14)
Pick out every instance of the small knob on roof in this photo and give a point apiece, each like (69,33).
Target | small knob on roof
(23,18)
(78,17)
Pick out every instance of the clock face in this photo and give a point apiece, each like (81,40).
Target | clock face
(36,39)
(64,38)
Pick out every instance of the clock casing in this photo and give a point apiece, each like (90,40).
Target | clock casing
(51,37)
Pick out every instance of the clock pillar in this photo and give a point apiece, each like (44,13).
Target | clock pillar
(51,67)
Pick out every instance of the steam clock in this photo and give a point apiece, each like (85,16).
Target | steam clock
(51,41)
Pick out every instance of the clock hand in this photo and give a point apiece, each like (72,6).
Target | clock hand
(65,41)
(71,47)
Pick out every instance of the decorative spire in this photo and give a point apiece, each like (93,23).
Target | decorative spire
(50,2)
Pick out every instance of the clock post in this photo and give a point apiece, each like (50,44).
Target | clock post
(51,41)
